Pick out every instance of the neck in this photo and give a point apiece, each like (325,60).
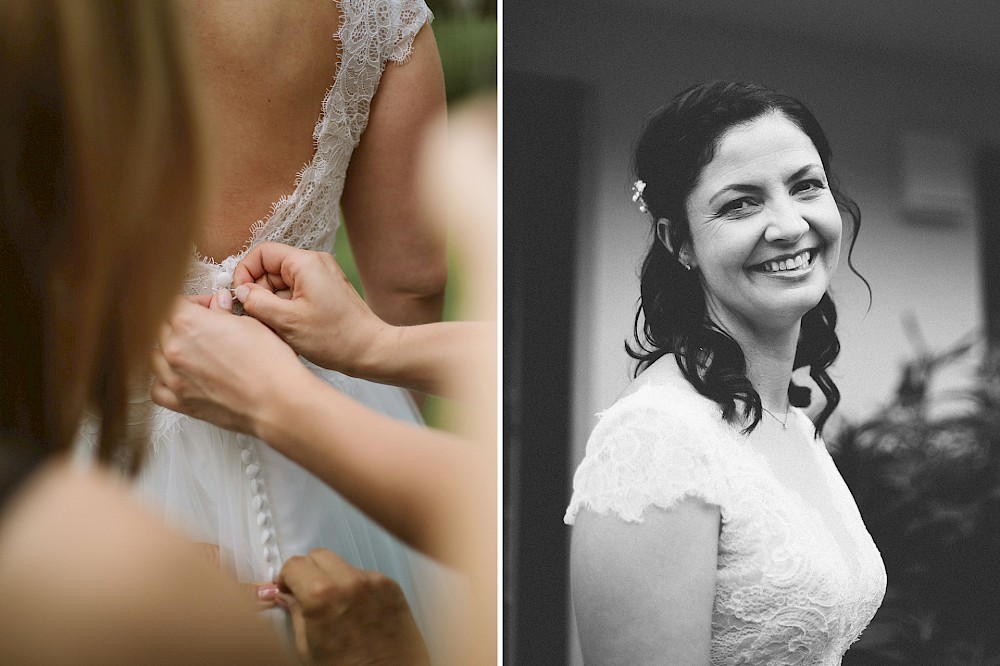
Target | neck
(770,358)
(769,369)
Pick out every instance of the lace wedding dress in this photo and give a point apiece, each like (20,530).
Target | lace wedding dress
(235,491)
(798,576)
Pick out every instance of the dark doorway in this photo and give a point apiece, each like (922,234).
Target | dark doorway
(541,175)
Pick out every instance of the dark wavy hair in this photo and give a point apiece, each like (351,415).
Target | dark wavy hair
(679,140)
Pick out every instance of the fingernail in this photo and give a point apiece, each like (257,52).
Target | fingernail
(241,293)
(267,592)
(224,299)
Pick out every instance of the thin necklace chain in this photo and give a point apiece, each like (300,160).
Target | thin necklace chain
(784,424)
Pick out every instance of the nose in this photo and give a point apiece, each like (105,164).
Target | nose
(786,223)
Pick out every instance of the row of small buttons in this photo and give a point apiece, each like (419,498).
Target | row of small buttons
(258,501)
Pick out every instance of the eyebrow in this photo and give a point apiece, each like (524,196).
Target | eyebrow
(751,189)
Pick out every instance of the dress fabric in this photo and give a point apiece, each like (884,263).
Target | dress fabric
(798,575)
(234,490)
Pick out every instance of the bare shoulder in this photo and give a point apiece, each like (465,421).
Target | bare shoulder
(78,558)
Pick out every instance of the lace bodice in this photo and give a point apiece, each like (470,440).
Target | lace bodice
(371,33)
(798,576)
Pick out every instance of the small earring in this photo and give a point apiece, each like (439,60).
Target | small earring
(682,258)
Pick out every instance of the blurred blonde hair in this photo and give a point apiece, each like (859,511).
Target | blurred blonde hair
(100,186)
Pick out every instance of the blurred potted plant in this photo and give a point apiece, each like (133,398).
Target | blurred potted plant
(928,488)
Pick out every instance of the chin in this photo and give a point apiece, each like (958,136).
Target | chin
(790,308)
(801,306)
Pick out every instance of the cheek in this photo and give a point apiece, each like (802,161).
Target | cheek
(723,270)
(833,233)
(830,226)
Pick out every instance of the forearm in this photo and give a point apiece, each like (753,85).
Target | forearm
(431,358)
(407,478)
(412,306)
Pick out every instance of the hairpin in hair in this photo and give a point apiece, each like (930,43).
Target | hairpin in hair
(638,187)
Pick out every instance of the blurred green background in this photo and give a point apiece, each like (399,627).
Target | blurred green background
(466,34)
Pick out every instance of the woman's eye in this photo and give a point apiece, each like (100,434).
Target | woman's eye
(809,185)
(741,205)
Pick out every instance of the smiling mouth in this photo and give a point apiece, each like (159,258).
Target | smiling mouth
(803,259)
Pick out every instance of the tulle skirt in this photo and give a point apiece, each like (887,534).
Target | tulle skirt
(261,508)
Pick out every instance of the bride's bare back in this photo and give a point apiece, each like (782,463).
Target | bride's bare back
(264,67)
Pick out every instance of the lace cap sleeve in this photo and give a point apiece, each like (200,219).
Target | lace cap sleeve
(408,17)
(652,448)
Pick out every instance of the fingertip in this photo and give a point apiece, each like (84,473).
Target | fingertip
(222,300)
(267,592)
(259,302)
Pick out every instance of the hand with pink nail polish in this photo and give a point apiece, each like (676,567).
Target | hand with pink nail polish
(261,595)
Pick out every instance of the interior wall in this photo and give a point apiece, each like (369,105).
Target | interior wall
(632,62)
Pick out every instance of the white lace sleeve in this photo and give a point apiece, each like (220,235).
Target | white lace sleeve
(408,17)
(652,448)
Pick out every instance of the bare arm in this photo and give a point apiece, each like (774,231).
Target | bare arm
(399,252)
(414,481)
(643,593)
(431,358)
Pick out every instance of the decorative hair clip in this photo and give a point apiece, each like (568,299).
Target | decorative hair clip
(638,187)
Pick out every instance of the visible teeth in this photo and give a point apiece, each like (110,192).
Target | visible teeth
(798,261)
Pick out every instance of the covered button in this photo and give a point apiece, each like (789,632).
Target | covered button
(223,280)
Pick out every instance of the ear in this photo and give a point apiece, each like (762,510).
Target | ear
(686,255)
(663,233)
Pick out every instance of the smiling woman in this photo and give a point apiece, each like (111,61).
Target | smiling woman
(703,531)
